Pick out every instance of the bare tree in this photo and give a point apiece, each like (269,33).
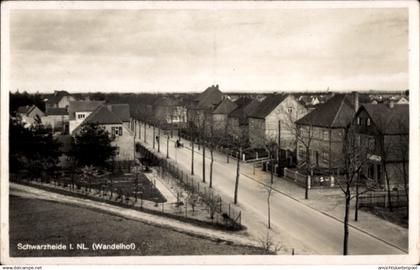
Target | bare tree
(354,158)
(268,245)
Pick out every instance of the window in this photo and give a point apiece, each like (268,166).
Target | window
(116,131)
(290,110)
(326,134)
(80,116)
(371,144)
(358,140)
(358,121)
(368,122)
(325,156)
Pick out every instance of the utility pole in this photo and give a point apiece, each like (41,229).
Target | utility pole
(158,139)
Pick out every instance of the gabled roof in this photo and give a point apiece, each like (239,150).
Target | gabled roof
(26,109)
(242,112)
(226,106)
(209,98)
(389,121)
(83,106)
(335,113)
(56,97)
(121,110)
(102,115)
(268,105)
(56,111)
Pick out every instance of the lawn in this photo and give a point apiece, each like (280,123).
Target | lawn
(67,224)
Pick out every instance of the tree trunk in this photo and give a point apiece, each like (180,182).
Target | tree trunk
(405,176)
(388,187)
(154,137)
(167,147)
(235,199)
(158,141)
(145,133)
(272,169)
(192,157)
(269,208)
(204,163)
(211,167)
(356,207)
(346,221)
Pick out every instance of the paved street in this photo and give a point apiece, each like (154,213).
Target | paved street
(293,224)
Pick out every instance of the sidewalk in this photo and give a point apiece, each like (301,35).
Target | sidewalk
(329,202)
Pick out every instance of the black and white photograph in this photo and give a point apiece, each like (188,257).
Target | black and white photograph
(282,132)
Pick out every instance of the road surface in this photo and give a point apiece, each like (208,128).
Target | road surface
(294,224)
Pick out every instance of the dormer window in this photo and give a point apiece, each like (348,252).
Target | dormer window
(368,122)
(81,116)
(358,121)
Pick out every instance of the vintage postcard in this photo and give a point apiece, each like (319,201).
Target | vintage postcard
(244,132)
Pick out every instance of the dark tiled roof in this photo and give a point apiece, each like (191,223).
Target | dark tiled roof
(336,112)
(121,110)
(226,106)
(389,120)
(83,106)
(102,115)
(268,105)
(25,109)
(209,98)
(56,97)
(56,111)
(242,112)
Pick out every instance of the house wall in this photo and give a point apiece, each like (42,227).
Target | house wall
(287,112)
(73,124)
(325,148)
(55,121)
(233,128)
(256,132)
(219,124)
(65,101)
(125,143)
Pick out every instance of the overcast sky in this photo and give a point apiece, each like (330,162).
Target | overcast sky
(188,50)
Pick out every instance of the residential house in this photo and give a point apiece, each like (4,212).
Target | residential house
(56,118)
(123,137)
(273,121)
(219,121)
(322,131)
(202,106)
(29,114)
(170,111)
(80,110)
(60,99)
(238,118)
(382,131)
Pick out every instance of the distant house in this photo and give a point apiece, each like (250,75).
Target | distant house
(56,118)
(238,119)
(325,127)
(273,120)
(170,111)
(29,114)
(383,132)
(109,119)
(60,99)
(79,111)
(202,106)
(220,117)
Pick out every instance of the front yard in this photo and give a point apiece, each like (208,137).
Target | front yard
(66,224)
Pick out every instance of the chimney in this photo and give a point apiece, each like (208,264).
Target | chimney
(356,101)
